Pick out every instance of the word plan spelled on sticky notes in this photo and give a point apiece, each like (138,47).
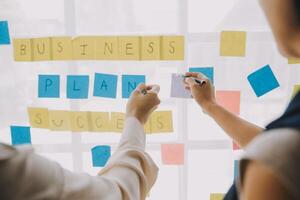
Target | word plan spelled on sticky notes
(263,81)
(98,48)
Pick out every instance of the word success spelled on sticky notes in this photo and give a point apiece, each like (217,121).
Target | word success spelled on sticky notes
(84,121)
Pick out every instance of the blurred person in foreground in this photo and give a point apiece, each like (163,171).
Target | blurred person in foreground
(270,168)
(129,174)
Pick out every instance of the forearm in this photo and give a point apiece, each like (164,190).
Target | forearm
(240,130)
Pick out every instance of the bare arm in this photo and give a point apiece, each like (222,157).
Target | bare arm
(238,129)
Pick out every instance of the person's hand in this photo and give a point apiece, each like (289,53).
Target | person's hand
(143,101)
(203,94)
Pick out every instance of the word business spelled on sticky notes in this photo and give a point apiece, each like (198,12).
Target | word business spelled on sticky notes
(172,154)
(177,87)
(233,43)
(22,50)
(130,82)
(77,87)
(206,71)
(150,48)
(61,48)
(4,33)
(230,100)
(41,48)
(38,117)
(263,81)
(100,155)
(216,196)
(82,121)
(20,135)
(49,86)
(105,85)
(172,48)
(99,48)
(129,48)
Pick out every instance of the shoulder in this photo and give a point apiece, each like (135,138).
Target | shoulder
(277,150)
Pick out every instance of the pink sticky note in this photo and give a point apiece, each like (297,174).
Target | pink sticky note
(235,146)
(172,154)
(229,100)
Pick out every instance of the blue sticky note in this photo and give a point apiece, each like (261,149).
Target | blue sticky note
(207,71)
(100,155)
(20,135)
(236,169)
(4,33)
(130,82)
(105,85)
(77,87)
(263,81)
(49,86)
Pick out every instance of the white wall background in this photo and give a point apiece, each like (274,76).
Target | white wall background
(209,156)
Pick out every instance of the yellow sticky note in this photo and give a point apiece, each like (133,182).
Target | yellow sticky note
(106,48)
(59,120)
(292,61)
(172,47)
(150,48)
(233,43)
(22,49)
(129,48)
(117,122)
(61,48)
(161,122)
(79,121)
(99,121)
(83,48)
(41,48)
(296,90)
(38,117)
(216,196)
(147,127)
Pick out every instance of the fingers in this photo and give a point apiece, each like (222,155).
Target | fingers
(197,75)
(141,87)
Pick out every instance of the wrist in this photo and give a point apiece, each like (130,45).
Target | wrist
(210,107)
(136,115)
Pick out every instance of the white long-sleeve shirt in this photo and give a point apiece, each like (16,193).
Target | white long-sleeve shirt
(128,175)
